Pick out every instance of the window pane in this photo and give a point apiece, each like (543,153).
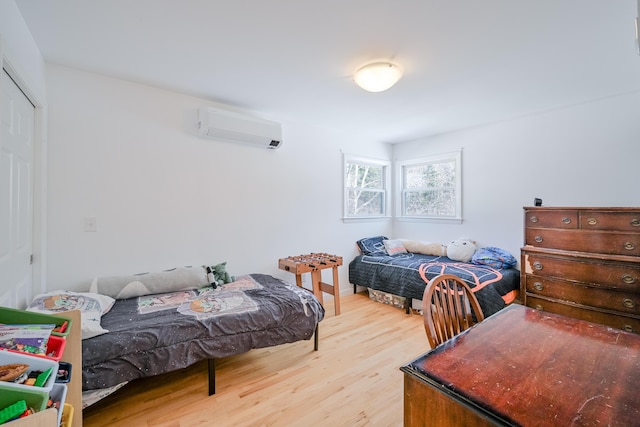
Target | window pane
(431,175)
(430,203)
(364,176)
(363,203)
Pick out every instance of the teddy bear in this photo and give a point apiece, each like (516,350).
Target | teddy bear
(461,249)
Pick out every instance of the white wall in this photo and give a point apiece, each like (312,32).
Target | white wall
(20,50)
(129,155)
(585,155)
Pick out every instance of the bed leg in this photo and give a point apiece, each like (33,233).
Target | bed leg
(315,339)
(212,376)
(407,305)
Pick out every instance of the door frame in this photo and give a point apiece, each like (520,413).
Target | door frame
(39,225)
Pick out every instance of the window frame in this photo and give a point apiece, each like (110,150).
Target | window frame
(386,184)
(400,166)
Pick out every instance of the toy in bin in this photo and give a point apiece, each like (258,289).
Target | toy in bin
(32,339)
(14,411)
(62,325)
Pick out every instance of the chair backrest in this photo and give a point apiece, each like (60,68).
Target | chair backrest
(448,307)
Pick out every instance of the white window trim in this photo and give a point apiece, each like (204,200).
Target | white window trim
(399,166)
(386,164)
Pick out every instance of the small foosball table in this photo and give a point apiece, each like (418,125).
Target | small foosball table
(314,263)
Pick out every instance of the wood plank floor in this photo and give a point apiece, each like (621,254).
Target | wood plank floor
(353,380)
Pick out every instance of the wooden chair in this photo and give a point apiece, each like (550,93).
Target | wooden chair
(448,307)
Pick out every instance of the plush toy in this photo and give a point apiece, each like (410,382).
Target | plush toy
(426,248)
(461,249)
(218,274)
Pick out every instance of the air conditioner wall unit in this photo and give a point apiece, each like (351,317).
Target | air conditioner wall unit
(230,126)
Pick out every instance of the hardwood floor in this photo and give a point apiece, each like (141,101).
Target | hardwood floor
(353,380)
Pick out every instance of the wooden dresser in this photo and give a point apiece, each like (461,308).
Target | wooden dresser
(583,263)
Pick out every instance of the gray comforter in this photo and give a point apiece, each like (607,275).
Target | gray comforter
(154,334)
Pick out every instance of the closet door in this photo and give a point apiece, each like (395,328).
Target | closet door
(16,193)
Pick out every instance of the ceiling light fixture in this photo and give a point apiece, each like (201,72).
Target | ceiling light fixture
(377,76)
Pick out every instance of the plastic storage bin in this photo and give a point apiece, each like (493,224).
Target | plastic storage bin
(34,399)
(55,349)
(64,372)
(67,415)
(11,316)
(35,364)
(59,394)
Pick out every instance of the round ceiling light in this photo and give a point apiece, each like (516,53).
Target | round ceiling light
(377,76)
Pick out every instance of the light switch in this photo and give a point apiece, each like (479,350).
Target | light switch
(90,224)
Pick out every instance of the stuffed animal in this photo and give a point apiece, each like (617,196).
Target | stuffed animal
(218,274)
(461,249)
(426,248)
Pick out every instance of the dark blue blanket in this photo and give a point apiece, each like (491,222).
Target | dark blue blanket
(399,275)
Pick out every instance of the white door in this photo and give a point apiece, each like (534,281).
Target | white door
(16,194)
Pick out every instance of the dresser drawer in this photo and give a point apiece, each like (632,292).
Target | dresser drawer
(604,242)
(551,218)
(626,323)
(608,220)
(624,302)
(623,276)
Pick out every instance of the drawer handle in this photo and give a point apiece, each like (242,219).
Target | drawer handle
(538,286)
(592,221)
(628,279)
(629,246)
(628,303)
(538,307)
(566,220)
(533,219)
(627,328)
(537,265)
(538,239)
(635,222)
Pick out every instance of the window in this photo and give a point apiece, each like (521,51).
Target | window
(430,187)
(365,187)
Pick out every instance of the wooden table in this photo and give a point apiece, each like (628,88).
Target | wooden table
(527,367)
(314,263)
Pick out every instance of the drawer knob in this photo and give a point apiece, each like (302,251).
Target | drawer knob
(628,279)
(628,303)
(538,307)
(538,286)
(592,221)
(538,239)
(533,219)
(629,246)
(566,220)
(635,222)
(627,328)
(537,265)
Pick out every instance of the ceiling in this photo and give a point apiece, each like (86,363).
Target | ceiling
(466,62)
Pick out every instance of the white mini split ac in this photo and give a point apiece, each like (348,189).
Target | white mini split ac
(234,127)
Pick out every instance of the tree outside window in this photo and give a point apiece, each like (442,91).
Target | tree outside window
(366,182)
(430,187)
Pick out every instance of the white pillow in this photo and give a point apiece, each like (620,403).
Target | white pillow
(92,307)
(177,279)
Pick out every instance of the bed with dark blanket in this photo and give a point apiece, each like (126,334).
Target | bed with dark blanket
(153,334)
(399,275)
